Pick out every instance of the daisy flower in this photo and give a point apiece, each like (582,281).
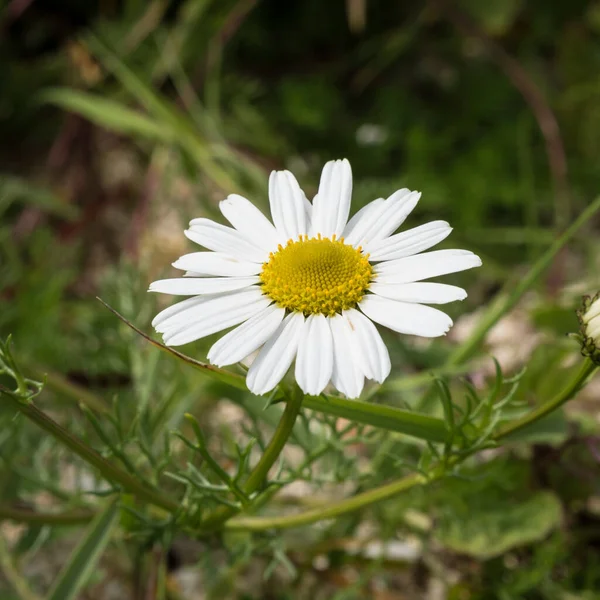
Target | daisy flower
(310,285)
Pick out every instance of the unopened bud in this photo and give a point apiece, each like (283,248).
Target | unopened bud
(589,317)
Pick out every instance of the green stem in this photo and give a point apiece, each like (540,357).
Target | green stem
(267,460)
(106,468)
(505,303)
(278,441)
(587,369)
(20,515)
(389,490)
(330,511)
(382,416)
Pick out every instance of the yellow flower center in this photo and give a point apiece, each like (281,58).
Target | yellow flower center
(316,275)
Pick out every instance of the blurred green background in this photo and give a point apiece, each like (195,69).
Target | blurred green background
(122,120)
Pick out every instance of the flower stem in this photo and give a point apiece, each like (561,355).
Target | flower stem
(267,460)
(106,468)
(330,511)
(384,417)
(587,369)
(278,441)
(389,490)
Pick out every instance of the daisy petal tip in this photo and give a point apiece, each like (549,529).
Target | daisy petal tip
(256,389)
(381,377)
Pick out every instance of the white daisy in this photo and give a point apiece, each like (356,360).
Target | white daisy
(309,286)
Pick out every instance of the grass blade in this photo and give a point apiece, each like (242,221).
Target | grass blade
(107,113)
(82,562)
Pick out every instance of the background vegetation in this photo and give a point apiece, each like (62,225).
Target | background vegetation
(120,121)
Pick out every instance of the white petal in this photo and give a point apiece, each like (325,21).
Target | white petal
(245,339)
(593,328)
(372,355)
(408,242)
(426,293)
(192,286)
(593,311)
(404,317)
(276,356)
(217,321)
(314,362)
(219,238)
(175,309)
(362,215)
(346,376)
(426,265)
(308,209)
(249,221)
(384,219)
(288,206)
(216,263)
(204,308)
(331,205)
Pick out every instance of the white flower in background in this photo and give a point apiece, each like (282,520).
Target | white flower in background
(310,286)
(589,317)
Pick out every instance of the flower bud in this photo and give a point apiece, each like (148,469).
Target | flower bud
(589,317)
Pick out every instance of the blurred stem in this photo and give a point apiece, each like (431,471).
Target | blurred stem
(587,369)
(267,460)
(11,572)
(504,304)
(332,510)
(75,517)
(89,455)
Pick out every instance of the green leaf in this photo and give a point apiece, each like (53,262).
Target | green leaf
(107,113)
(487,531)
(82,562)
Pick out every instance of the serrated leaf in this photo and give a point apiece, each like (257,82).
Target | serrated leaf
(84,558)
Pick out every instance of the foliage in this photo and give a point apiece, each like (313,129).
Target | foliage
(127,119)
